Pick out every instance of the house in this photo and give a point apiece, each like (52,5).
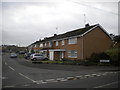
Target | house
(74,45)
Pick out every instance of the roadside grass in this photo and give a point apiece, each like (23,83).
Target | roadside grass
(68,62)
(20,56)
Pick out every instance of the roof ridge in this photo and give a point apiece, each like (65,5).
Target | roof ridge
(78,31)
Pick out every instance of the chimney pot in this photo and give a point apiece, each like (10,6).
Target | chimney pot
(55,34)
(87,25)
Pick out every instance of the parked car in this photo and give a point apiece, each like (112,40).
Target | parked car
(22,52)
(36,57)
(27,55)
(13,55)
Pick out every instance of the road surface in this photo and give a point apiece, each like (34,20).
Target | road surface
(22,73)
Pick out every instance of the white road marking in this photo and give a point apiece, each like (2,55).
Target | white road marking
(9,86)
(40,82)
(6,63)
(49,80)
(63,80)
(111,72)
(78,77)
(107,84)
(26,77)
(4,77)
(98,75)
(11,68)
(87,75)
(26,85)
(94,74)
(70,78)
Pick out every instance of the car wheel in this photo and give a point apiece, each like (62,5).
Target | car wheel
(45,59)
(34,59)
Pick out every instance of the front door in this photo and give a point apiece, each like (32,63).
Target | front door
(61,55)
(51,55)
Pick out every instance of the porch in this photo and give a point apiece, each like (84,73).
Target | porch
(56,54)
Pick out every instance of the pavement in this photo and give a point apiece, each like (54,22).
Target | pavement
(22,73)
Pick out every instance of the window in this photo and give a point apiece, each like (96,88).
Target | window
(41,45)
(45,44)
(56,43)
(49,44)
(72,41)
(35,46)
(63,43)
(72,54)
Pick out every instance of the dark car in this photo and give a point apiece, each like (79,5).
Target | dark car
(22,52)
(13,55)
(27,55)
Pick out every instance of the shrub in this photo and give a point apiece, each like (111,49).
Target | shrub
(95,57)
(65,59)
(114,55)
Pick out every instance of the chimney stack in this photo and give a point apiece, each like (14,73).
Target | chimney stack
(87,25)
(55,34)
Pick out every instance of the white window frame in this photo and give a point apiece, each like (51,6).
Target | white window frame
(49,44)
(41,45)
(72,41)
(56,43)
(45,44)
(63,42)
(35,46)
(72,55)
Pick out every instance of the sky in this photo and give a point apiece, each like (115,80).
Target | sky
(23,22)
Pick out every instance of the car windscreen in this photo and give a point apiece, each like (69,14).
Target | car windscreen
(38,55)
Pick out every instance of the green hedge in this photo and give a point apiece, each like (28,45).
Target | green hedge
(96,57)
(114,55)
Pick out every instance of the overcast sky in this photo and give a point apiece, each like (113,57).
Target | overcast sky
(26,22)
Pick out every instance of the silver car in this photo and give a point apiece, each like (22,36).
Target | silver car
(13,55)
(36,57)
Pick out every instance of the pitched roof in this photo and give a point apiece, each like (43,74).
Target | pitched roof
(71,33)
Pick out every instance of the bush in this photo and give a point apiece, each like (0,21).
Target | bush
(65,59)
(114,55)
(96,57)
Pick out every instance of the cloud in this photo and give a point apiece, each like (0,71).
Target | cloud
(26,22)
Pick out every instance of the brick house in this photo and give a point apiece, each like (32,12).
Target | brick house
(74,45)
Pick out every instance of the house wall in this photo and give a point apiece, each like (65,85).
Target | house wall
(68,47)
(95,41)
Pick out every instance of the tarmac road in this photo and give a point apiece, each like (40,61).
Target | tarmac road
(21,73)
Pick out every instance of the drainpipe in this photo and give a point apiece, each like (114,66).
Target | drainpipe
(82,48)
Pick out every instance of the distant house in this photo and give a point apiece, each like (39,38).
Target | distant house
(74,45)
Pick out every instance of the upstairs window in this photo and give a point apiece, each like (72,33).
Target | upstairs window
(63,42)
(49,44)
(41,45)
(72,41)
(45,44)
(35,46)
(56,43)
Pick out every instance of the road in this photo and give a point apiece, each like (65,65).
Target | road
(22,73)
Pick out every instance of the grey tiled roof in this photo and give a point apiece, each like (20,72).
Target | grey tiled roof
(67,34)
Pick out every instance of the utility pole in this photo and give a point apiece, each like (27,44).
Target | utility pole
(84,18)
(56,30)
